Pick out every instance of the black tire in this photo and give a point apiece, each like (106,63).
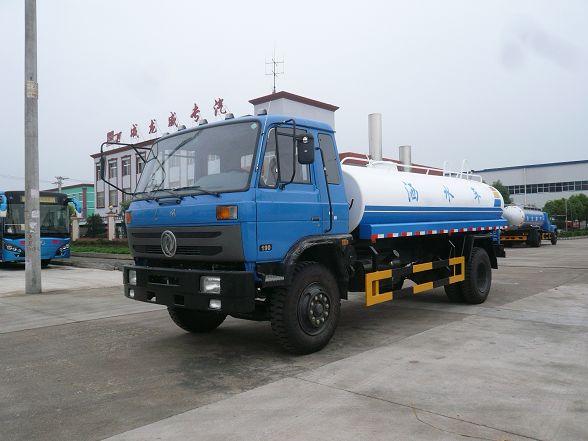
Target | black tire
(554,238)
(45,263)
(534,238)
(478,277)
(454,293)
(196,321)
(304,316)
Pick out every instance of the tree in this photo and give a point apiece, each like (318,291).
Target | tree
(578,207)
(556,207)
(498,185)
(95,226)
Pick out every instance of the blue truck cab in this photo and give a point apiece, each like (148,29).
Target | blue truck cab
(248,217)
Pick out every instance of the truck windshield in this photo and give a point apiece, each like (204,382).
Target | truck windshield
(54,219)
(214,159)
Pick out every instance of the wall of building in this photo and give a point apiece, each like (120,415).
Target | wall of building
(537,184)
(125,177)
(83,193)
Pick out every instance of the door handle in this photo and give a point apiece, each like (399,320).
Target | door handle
(315,218)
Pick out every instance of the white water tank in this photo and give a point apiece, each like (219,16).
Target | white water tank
(380,194)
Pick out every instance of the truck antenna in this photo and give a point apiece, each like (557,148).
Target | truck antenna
(274,68)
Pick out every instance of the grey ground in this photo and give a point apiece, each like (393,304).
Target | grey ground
(89,364)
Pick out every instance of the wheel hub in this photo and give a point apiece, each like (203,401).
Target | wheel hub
(314,309)
(318,309)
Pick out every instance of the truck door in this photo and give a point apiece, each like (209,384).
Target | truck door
(339,207)
(285,212)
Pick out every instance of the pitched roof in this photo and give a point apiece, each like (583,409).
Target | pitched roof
(546,164)
(293,97)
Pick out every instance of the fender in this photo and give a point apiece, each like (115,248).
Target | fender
(280,273)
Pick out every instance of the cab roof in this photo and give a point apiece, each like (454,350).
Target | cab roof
(264,120)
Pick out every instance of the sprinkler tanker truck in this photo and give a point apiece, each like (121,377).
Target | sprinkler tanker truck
(257,218)
(527,225)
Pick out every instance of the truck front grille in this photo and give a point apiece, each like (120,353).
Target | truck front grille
(202,243)
(194,250)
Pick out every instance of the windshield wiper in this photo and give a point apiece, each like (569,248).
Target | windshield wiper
(200,189)
(151,194)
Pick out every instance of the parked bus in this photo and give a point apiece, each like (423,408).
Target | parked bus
(54,219)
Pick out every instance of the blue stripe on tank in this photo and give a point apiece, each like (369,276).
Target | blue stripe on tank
(366,231)
(403,214)
(420,209)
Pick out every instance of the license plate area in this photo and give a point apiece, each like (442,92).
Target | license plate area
(158,279)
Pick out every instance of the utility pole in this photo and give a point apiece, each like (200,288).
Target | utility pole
(59,182)
(32,207)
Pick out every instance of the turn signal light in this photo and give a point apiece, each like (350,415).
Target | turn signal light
(226,212)
(128,217)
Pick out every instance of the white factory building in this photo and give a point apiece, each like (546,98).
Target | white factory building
(123,166)
(536,184)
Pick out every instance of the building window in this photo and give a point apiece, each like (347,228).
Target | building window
(113,198)
(139,164)
(112,169)
(98,171)
(126,165)
(99,199)
(126,197)
(549,187)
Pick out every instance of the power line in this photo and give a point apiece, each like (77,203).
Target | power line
(59,182)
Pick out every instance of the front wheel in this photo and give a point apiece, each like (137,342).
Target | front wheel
(45,263)
(478,277)
(304,316)
(554,238)
(196,321)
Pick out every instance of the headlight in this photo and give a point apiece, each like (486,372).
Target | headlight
(210,284)
(63,248)
(12,248)
(132,277)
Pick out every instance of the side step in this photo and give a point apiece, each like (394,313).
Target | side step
(373,296)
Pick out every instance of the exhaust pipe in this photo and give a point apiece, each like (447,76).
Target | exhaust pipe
(404,155)
(375,136)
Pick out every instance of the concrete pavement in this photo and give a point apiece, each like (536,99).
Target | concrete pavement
(55,278)
(513,368)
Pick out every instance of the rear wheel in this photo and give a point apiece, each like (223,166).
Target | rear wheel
(304,316)
(45,263)
(454,292)
(196,321)
(534,238)
(478,277)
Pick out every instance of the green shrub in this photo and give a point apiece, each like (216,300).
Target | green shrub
(95,226)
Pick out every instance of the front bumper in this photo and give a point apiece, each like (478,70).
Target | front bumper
(181,288)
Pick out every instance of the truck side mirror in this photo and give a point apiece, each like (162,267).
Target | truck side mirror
(305,148)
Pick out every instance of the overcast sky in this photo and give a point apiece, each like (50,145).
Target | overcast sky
(496,82)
